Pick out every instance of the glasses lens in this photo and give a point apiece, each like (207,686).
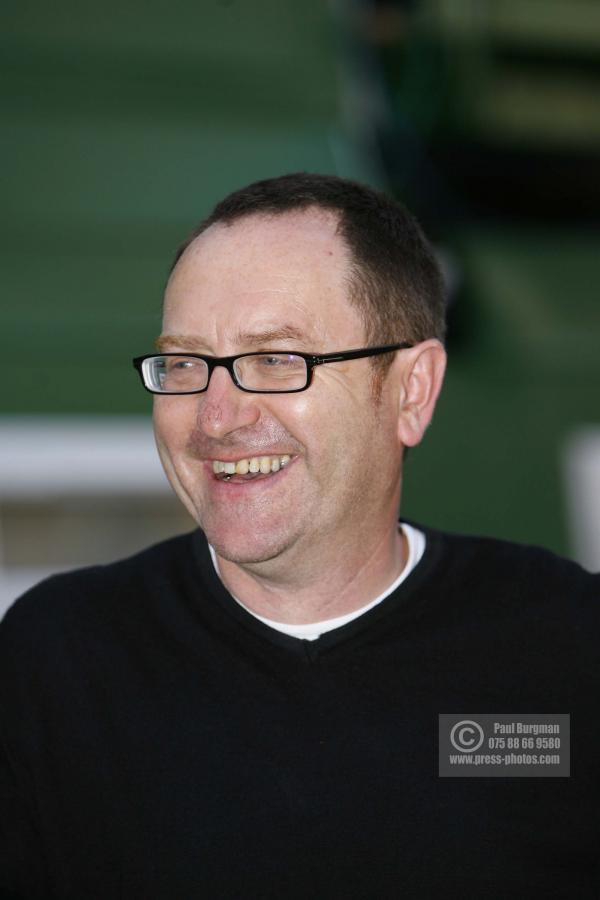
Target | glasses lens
(175,374)
(271,372)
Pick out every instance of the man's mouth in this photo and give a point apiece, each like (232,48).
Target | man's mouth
(250,467)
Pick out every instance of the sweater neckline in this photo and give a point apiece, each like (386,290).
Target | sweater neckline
(408,600)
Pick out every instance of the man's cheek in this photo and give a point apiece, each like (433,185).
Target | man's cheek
(171,423)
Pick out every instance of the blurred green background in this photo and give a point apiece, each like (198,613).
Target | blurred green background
(124,122)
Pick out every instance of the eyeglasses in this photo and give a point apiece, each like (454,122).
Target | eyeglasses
(268,372)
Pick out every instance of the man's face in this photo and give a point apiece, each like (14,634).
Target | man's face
(269,283)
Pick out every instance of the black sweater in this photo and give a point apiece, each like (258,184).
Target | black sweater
(160,742)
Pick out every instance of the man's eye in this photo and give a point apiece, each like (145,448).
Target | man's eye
(179,364)
(280,361)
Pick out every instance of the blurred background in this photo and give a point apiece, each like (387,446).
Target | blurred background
(125,121)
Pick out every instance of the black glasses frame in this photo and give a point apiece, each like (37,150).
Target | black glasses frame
(228,362)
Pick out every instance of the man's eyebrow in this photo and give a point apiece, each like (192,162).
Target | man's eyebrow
(270,335)
(169,341)
(261,336)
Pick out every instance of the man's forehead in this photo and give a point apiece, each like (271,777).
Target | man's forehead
(267,278)
(312,230)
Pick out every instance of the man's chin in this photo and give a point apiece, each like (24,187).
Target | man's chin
(246,550)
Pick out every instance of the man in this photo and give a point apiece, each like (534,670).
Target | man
(252,711)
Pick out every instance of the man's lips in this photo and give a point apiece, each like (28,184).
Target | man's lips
(264,464)
(247,478)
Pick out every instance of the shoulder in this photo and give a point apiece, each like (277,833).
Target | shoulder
(95,590)
(524,619)
(499,577)
(509,561)
(490,583)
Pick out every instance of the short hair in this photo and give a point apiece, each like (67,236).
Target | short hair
(395,280)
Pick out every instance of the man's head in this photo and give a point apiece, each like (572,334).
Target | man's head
(394,280)
(269,273)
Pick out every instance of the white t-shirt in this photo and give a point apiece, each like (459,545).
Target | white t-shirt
(313,630)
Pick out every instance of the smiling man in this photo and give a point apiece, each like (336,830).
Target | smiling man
(261,709)
(302,508)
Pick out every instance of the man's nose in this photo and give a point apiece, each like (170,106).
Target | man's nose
(223,407)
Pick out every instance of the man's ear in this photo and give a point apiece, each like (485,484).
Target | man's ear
(421,372)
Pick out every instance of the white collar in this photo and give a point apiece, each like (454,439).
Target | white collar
(313,630)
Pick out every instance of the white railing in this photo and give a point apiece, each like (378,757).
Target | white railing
(57,459)
(582,481)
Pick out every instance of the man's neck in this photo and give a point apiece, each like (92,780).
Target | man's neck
(326,588)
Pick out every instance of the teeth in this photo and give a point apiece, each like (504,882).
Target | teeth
(255,464)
